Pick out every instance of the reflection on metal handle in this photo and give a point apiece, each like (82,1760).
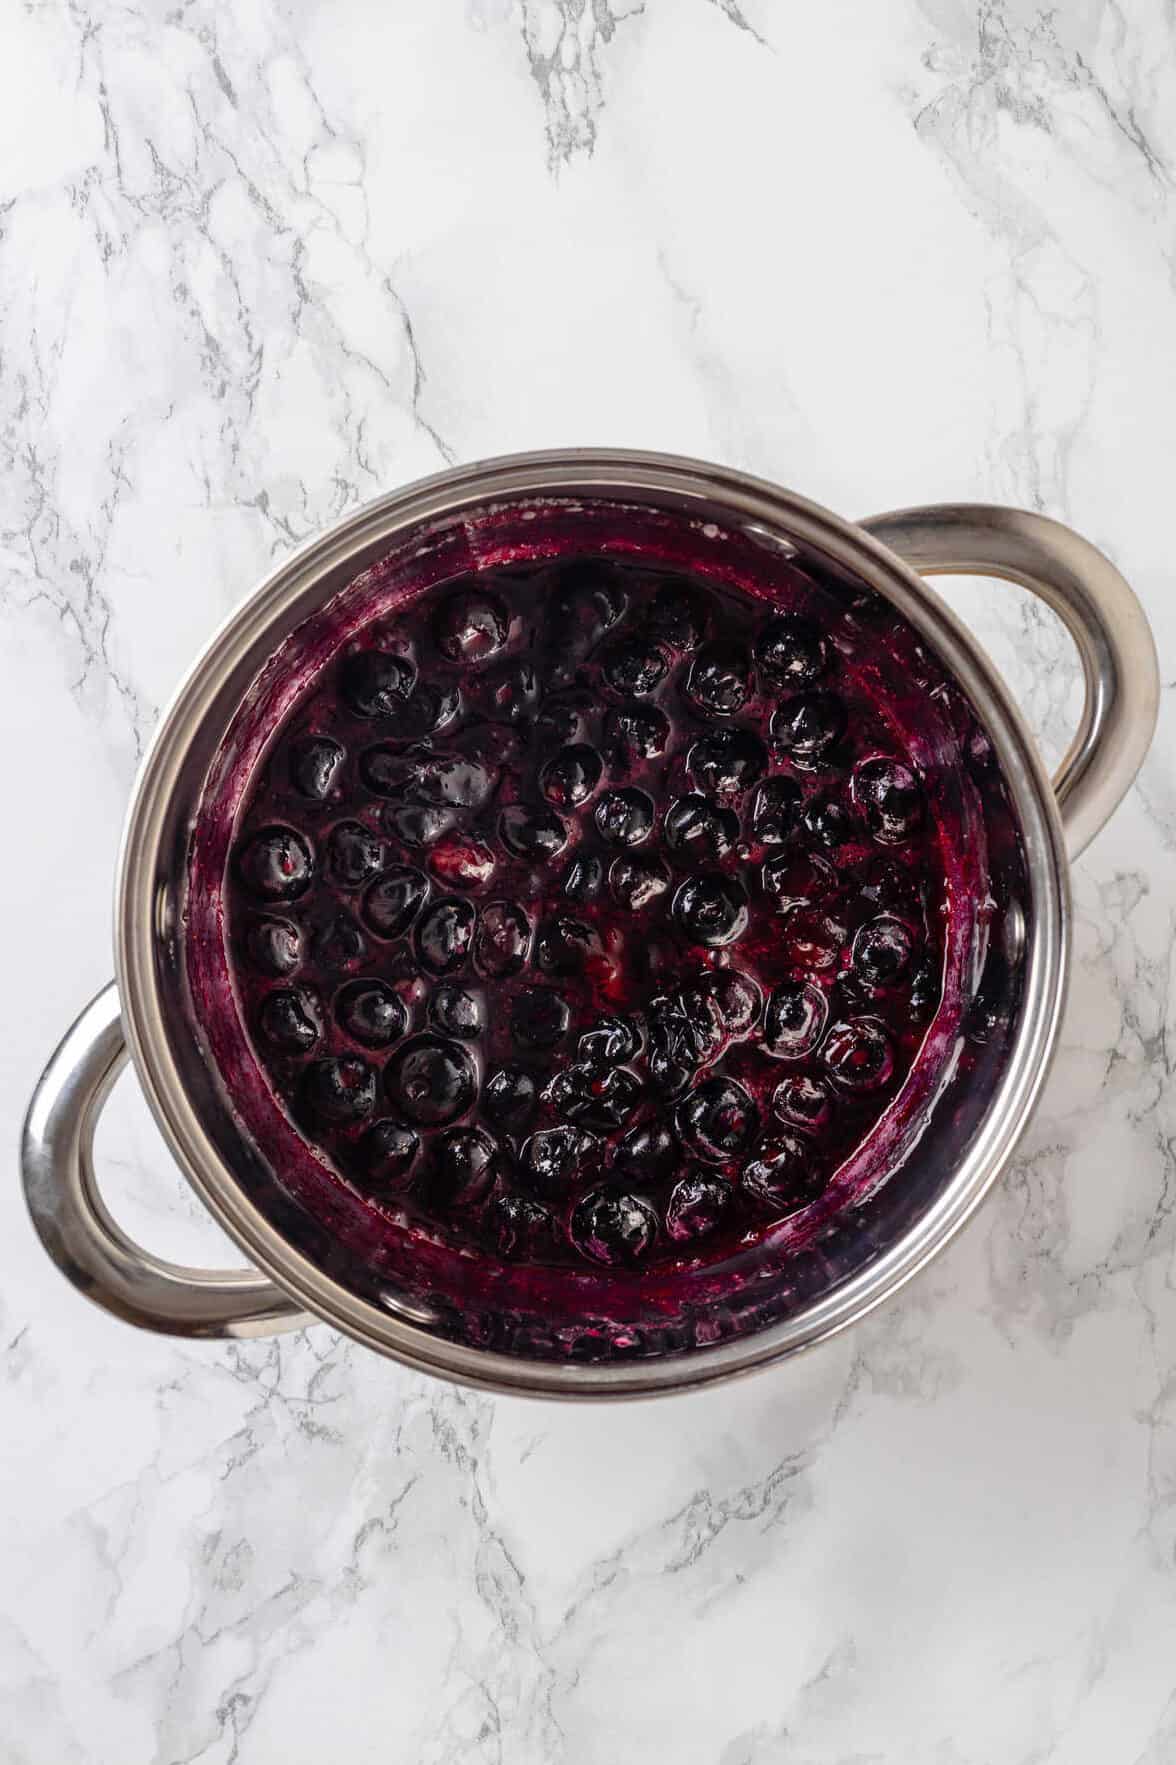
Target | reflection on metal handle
(57,1163)
(1099,610)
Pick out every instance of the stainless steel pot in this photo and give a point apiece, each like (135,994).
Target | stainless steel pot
(141,1012)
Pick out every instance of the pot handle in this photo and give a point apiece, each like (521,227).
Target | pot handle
(1098,609)
(57,1165)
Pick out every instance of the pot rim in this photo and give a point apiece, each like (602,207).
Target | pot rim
(142,899)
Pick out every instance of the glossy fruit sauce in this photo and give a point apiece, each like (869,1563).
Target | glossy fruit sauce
(601,915)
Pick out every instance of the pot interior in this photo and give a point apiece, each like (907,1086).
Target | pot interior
(461,1290)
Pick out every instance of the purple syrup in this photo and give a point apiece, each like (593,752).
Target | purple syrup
(589,914)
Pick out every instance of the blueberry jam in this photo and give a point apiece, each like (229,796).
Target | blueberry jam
(569,928)
(579,917)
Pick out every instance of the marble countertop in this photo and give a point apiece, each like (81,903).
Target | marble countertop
(260,263)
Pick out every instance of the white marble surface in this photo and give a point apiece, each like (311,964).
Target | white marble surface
(260,262)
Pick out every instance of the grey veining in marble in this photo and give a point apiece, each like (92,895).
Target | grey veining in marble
(259,263)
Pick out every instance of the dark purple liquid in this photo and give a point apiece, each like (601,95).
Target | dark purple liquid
(592,912)
(581,938)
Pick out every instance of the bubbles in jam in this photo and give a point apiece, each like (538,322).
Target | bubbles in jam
(588,914)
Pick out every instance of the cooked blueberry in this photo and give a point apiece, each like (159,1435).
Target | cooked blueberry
(584,877)
(462,1168)
(633,667)
(699,1204)
(354,854)
(785,1175)
(314,766)
(430,1080)
(669,1069)
(647,1153)
(890,797)
(809,726)
(796,1015)
(609,1042)
(813,939)
(562,720)
(532,833)
(859,1055)
(587,600)
(417,825)
(694,824)
(539,1017)
(599,1099)
(502,939)
(443,935)
(552,1160)
(386,1155)
(274,946)
(614,1228)
(289,1020)
(338,944)
(711,909)
(519,1227)
(704,1022)
(891,889)
(728,762)
(428,708)
(376,684)
(828,820)
(795,877)
(624,817)
(462,861)
(882,951)
(673,1057)
(803,1102)
(341,1090)
(719,681)
(456,1010)
(391,904)
(453,781)
(636,880)
(678,615)
(737,999)
(508,692)
(717,1121)
(371,1012)
(470,625)
(635,732)
(775,810)
(791,651)
(571,776)
(564,945)
(276,864)
(509,1098)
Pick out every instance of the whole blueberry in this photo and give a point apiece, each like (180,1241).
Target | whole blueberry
(314,764)
(510,1097)
(539,1017)
(791,651)
(719,682)
(700,1202)
(775,810)
(502,939)
(289,1020)
(564,945)
(599,1099)
(533,833)
(711,909)
(552,1160)
(803,1102)
(430,1080)
(794,1020)
(637,879)
(647,1153)
(584,877)
(338,944)
(519,1228)
(633,667)
(785,1174)
(456,1010)
(808,727)
(614,1228)
(571,775)
(341,1090)
(391,904)
(890,797)
(274,946)
(470,625)
(727,763)
(694,824)
(386,1155)
(717,1121)
(354,854)
(464,1165)
(276,865)
(610,1042)
(858,1055)
(634,733)
(444,933)
(678,615)
(624,817)
(370,1012)
(882,951)
(376,684)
